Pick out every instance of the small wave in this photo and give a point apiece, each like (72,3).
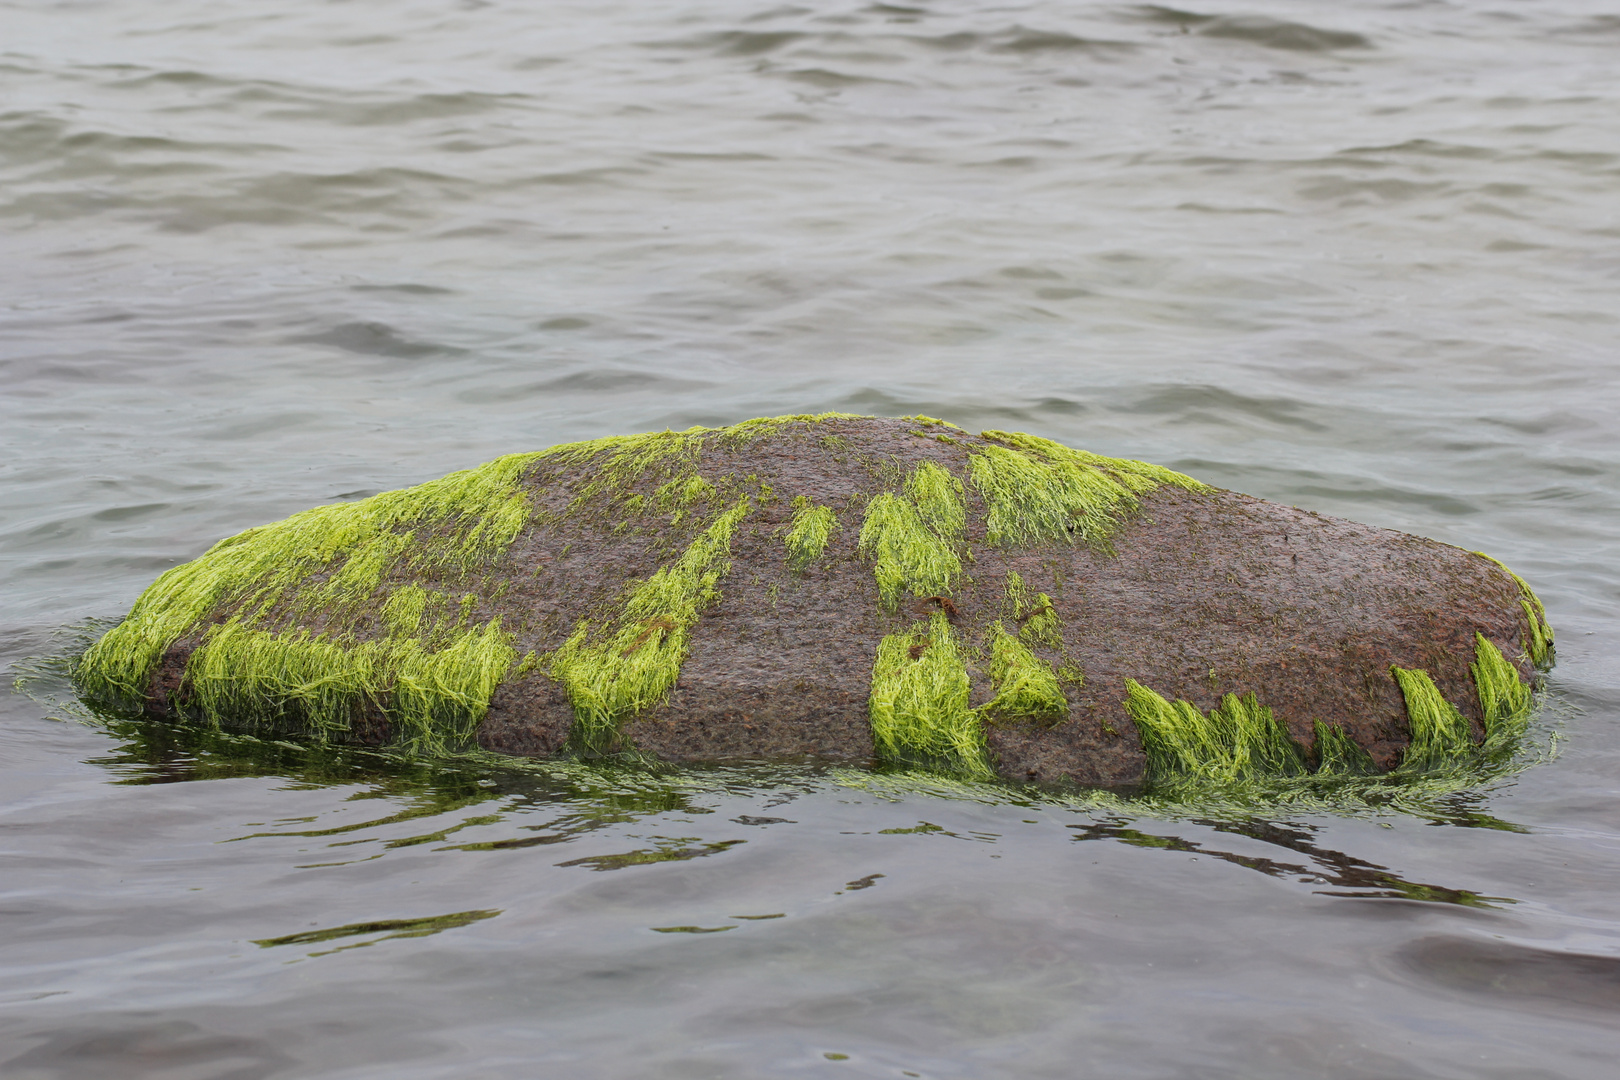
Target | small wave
(736,42)
(374,339)
(1018,40)
(1503,970)
(1218,406)
(390,110)
(1259,29)
(1024,40)
(831,80)
(588,382)
(1175,16)
(1277,34)
(405,287)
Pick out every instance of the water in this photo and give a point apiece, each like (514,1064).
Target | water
(255,258)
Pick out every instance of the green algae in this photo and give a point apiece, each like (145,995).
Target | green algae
(1504,700)
(914,538)
(449,526)
(919,702)
(389,928)
(1440,737)
(749,430)
(434,698)
(1339,755)
(1038,491)
(682,494)
(1037,619)
(1026,687)
(1237,740)
(807,536)
(921,419)
(1241,740)
(1539,645)
(612,673)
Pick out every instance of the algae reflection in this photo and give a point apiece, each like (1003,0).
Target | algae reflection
(487,803)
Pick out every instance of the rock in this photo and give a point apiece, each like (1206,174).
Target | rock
(853,588)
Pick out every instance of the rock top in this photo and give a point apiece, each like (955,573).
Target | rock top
(863,589)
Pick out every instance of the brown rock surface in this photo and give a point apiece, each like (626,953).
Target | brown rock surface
(1200,593)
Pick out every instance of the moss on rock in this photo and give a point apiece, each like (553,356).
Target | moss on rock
(919,702)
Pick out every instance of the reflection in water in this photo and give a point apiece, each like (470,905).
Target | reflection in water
(588,798)
(389,929)
(1368,880)
(669,853)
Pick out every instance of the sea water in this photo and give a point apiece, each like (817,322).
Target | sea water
(256,257)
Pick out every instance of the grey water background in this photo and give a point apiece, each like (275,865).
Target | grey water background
(255,257)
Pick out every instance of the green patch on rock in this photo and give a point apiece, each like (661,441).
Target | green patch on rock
(1038,491)
(1037,619)
(1237,740)
(433,697)
(1240,740)
(330,564)
(1338,755)
(1440,735)
(1504,699)
(1441,738)
(914,538)
(1538,645)
(807,536)
(919,702)
(614,672)
(1026,686)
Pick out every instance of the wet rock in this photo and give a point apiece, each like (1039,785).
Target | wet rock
(851,588)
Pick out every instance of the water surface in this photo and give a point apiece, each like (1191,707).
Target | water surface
(254,258)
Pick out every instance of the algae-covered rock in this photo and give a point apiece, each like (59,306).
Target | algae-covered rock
(855,588)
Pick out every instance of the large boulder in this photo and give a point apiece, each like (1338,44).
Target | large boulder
(854,588)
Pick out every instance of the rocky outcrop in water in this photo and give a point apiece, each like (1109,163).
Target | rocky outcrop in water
(859,589)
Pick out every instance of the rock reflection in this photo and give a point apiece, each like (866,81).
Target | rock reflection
(1356,877)
(451,795)
(388,929)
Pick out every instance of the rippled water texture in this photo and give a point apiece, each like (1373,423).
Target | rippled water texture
(255,257)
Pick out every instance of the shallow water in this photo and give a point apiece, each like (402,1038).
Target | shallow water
(1358,259)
